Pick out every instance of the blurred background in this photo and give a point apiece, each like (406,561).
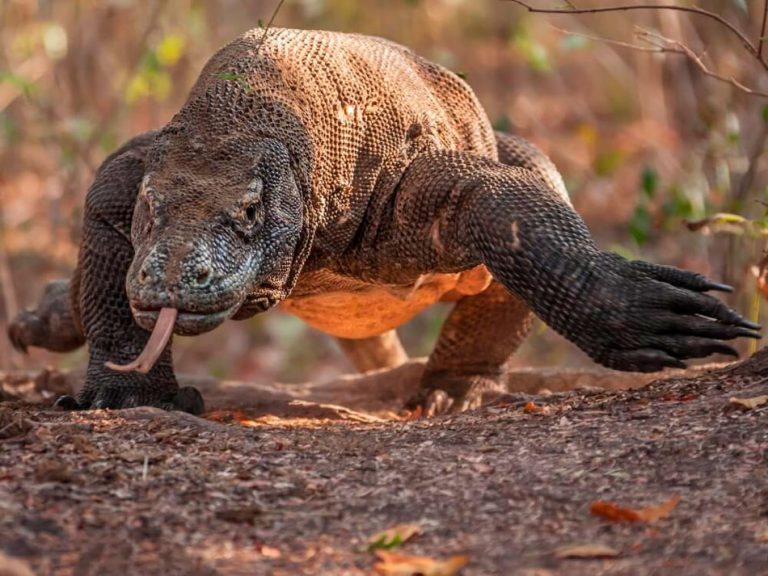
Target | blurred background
(645,141)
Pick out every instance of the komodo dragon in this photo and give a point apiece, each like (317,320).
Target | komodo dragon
(355,184)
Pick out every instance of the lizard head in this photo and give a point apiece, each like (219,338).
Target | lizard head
(215,227)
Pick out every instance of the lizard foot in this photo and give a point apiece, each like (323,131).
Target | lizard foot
(445,394)
(51,325)
(106,388)
(187,399)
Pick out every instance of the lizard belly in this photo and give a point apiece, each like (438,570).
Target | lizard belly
(352,309)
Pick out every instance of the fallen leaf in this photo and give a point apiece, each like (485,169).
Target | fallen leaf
(616,513)
(52,471)
(10,566)
(748,403)
(482,468)
(531,407)
(232,417)
(393,537)
(414,414)
(394,564)
(586,551)
(763,536)
(269,551)
(678,397)
(240,515)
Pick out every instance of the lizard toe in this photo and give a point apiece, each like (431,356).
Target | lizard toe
(68,403)
(188,399)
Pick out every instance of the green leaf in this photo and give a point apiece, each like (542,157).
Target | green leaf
(535,53)
(742,4)
(384,544)
(607,162)
(234,76)
(678,206)
(26,86)
(640,225)
(649,181)
(573,42)
(260,23)
(726,218)
(170,50)
(765,113)
(502,123)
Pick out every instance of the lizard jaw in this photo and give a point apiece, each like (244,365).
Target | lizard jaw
(186,323)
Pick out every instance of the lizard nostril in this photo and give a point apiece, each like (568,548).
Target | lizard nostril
(203,276)
(143,276)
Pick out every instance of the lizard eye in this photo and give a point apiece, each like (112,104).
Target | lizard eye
(251,213)
(252,207)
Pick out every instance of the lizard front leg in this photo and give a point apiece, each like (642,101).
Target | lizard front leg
(110,331)
(454,210)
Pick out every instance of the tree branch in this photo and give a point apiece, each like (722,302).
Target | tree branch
(662,45)
(746,42)
(668,45)
(761,39)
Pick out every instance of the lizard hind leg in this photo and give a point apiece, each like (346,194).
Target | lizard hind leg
(374,353)
(53,325)
(473,351)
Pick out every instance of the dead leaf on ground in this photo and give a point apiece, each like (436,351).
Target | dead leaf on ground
(532,408)
(269,551)
(615,513)
(13,425)
(393,537)
(52,471)
(395,564)
(414,414)
(747,403)
(10,566)
(240,515)
(232,417)
(586,551)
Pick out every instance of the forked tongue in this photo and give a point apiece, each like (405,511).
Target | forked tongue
(161,333)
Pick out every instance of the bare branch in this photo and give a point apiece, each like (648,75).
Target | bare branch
(269,24)
(668,45)
(761,40)
(611,41)
(746,42)
(662,45)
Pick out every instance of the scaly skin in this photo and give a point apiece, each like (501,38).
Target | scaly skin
(356,184)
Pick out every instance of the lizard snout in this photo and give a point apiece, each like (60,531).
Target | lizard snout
(182,276)
(160,269)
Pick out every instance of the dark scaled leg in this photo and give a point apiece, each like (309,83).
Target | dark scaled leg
(52,325)
(112,335)
(470,359)
(374,353)
(454,211)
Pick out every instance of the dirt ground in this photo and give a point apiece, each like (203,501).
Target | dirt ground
(281,481)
